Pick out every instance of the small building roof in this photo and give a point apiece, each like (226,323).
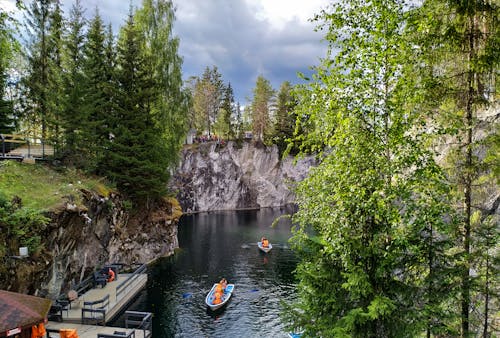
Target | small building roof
(18,310)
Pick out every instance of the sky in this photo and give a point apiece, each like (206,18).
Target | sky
(242,38)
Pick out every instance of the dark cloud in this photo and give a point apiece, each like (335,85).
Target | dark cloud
(227,34)
(232,36)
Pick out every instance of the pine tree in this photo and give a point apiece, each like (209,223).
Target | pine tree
(171,101)
(8,47)
(98,68)
(134,160)
(461,51)
(285,118)
(37,82)
(55,75)
(224,125)
(372,265)
(74,114)
(238,121)
(263,95)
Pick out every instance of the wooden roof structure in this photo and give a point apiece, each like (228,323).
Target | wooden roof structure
(20,311)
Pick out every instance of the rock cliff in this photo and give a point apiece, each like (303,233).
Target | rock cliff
(212,176)
(81,238)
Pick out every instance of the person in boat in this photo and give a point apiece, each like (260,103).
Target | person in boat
(217,297)
(265,242)
(223,283)
(219,288)
(111,275)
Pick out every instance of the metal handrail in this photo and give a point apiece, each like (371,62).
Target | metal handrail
(122,286)
(100,306)
(140,320)
(117,335)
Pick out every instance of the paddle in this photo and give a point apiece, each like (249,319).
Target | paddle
(190,294)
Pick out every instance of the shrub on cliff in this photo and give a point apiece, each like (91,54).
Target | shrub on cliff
(19,226)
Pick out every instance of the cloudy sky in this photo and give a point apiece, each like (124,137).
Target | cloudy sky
(243,38)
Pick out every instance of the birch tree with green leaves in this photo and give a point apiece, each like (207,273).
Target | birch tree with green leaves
(207,99)
(371,231)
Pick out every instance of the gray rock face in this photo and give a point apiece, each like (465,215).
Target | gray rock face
(81,239)
(215,177)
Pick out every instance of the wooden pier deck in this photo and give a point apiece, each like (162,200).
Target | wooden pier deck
(91,331)
(116,303)
(117,293)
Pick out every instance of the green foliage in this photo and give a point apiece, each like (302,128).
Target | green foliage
(125,118)
(41,112)
(263,95)
(224,125)
(461,68)
(74,113)
(26,226)
(8,47)
(285,118)
(207,99)
(20,226)
(128,205)
(377,200)
(136,156)
(40,187)
(170,108)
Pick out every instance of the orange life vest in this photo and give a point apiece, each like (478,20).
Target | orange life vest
(219,288)
(111,275)
(38,331)
(217,297)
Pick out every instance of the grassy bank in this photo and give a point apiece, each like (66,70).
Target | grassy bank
(41,187)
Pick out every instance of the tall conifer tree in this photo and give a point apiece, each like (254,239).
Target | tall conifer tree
(8,47)
(75,115)
(37,82)
(55,75)
(460,40)
(170,102)
(263,95)
(98,71)
(285,118)
(134,160)
(224,124)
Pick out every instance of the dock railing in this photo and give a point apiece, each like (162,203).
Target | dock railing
(117,334)
(123,286)
(9,142)
(97,310)
(140,321)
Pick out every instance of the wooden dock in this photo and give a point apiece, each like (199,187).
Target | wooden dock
(92,331)
(92,310)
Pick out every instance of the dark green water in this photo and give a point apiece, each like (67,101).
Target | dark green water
(212,246)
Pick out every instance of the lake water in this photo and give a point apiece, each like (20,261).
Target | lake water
(215,245)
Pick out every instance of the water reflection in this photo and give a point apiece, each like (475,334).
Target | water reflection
(212,246)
